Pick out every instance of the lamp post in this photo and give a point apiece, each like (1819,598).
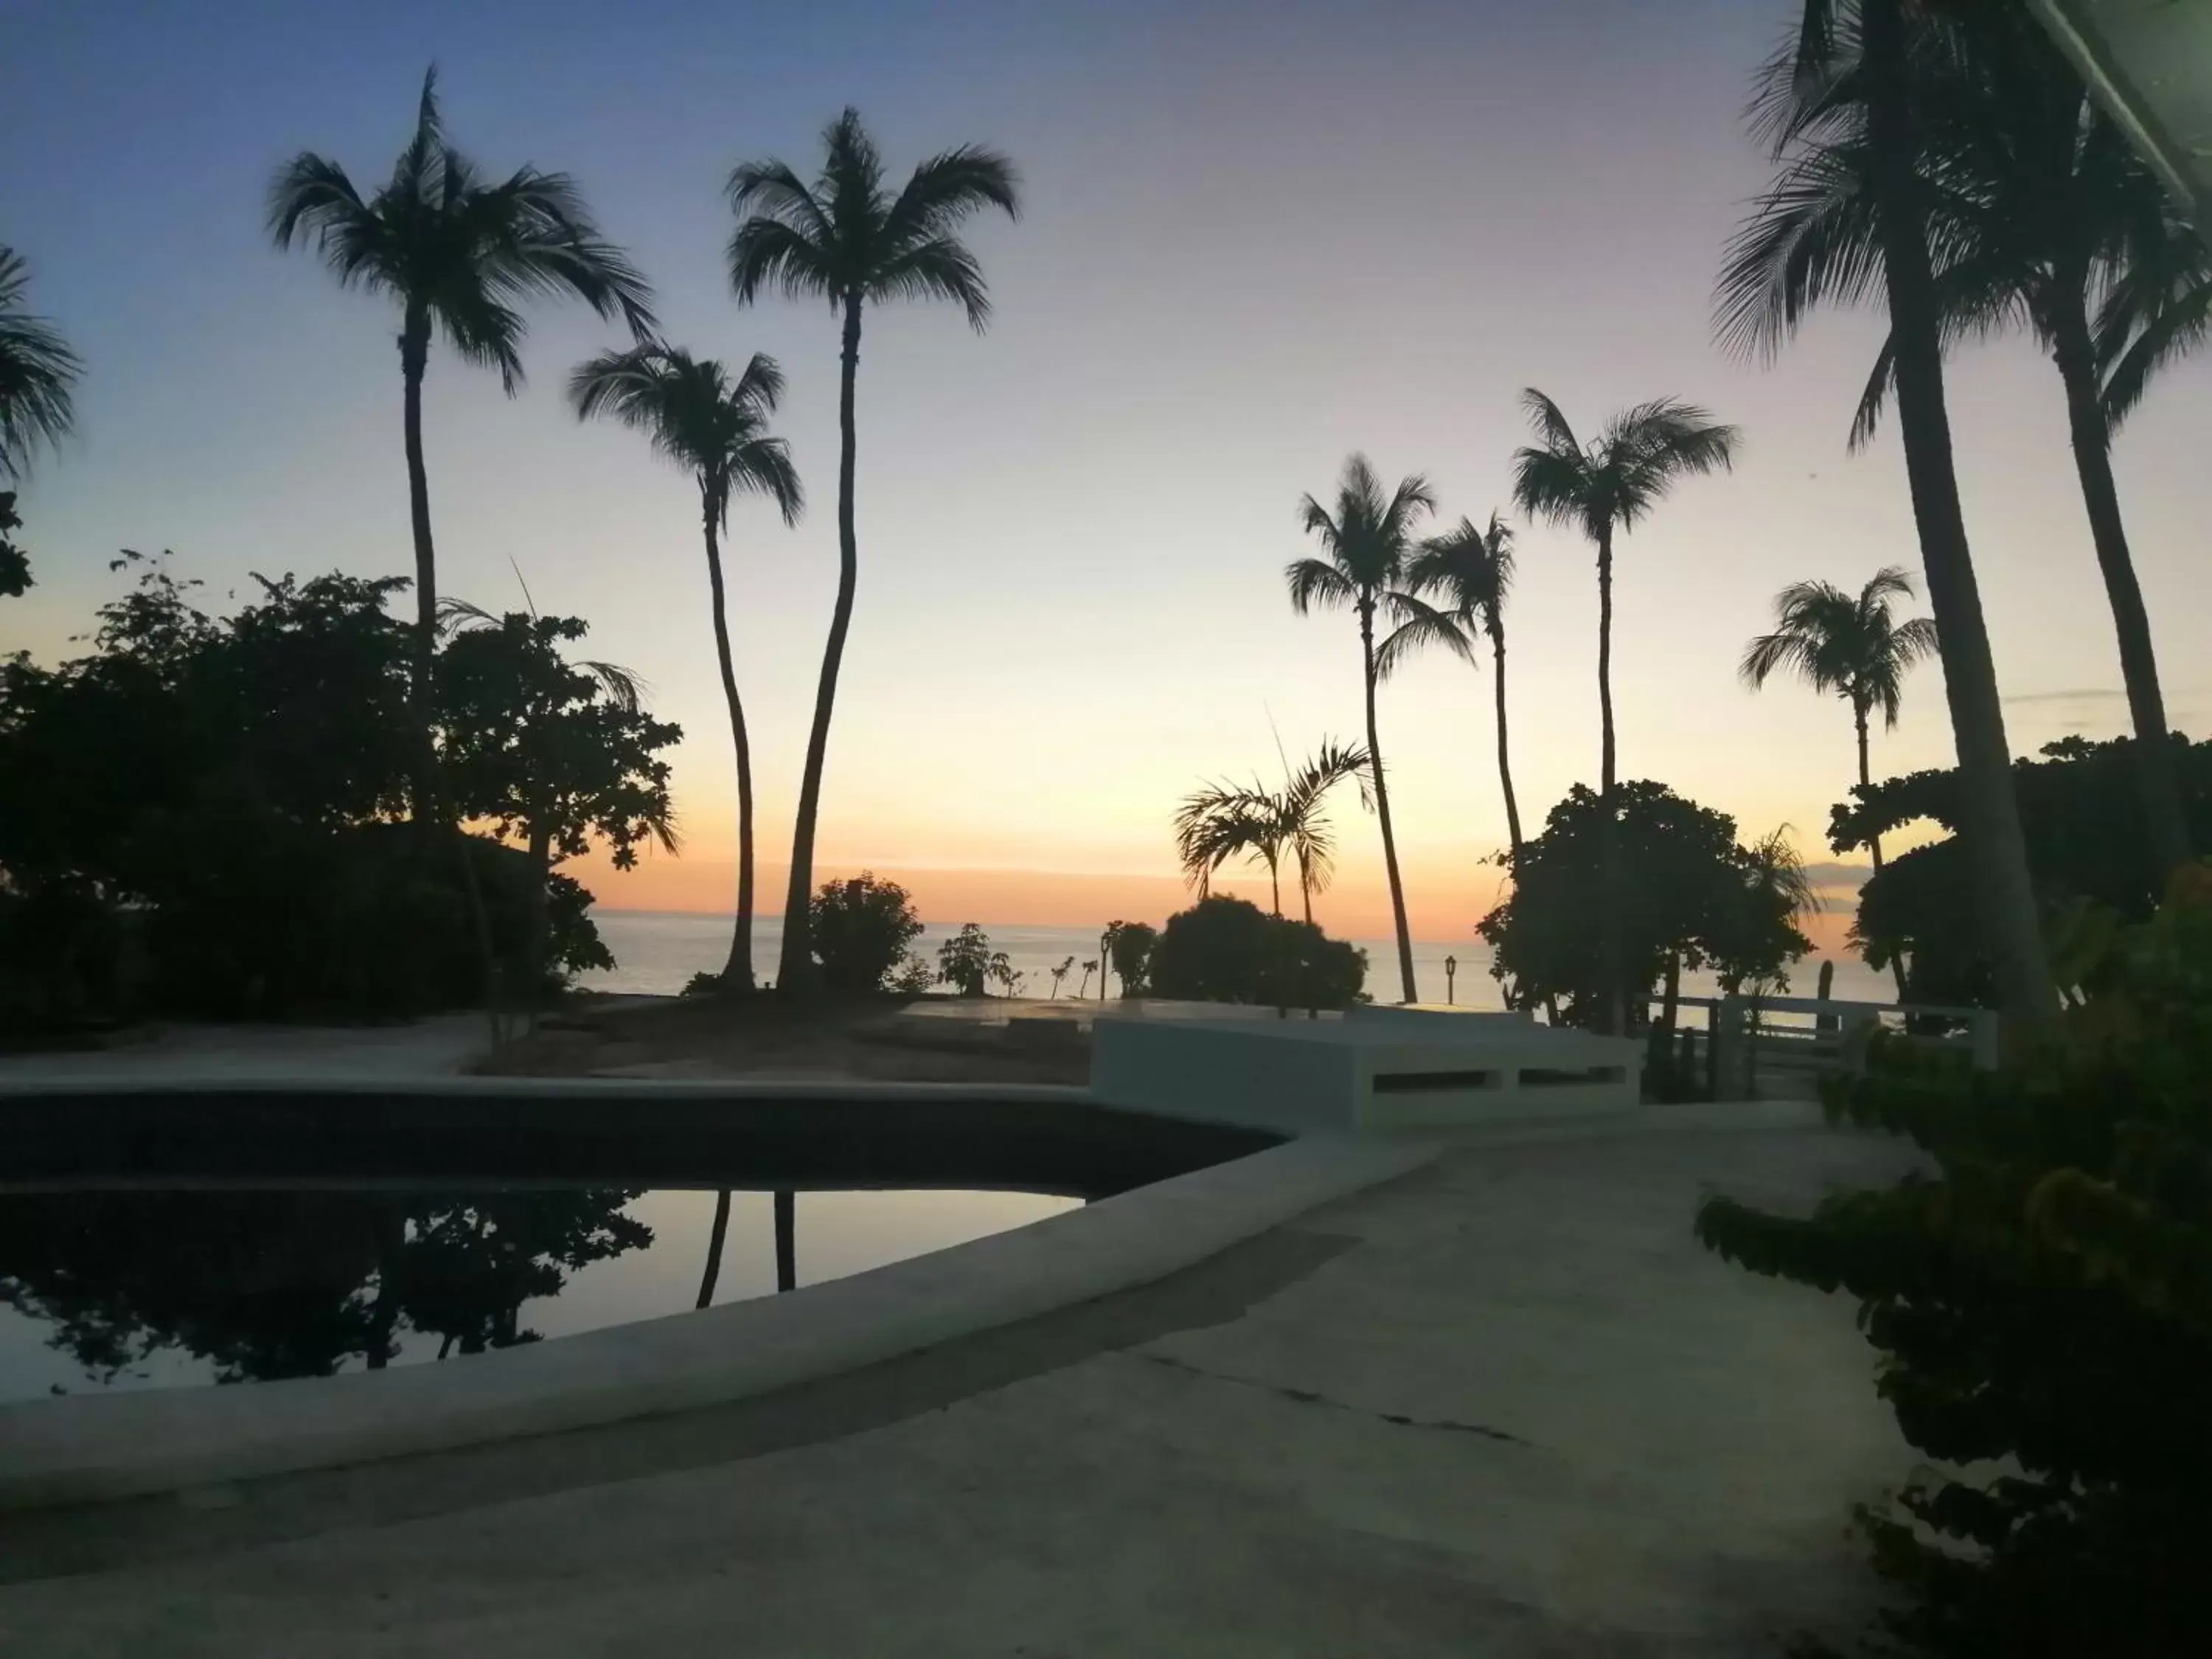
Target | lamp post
(1451,967)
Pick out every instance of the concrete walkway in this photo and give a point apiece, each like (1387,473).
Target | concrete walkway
(437,1046)
(1504,1407)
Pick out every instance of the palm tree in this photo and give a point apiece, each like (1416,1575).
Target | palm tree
(1299,823)
(38,370)
(1218,822)
(460,253)
(702,419)
(1850,646)
(1368,541)
(1471,572)
(717,1235)
(2041,210)
(1849,83)
(844,240)
(1607,486)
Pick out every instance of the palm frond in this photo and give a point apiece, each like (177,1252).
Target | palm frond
(1420,625)
(949,188)
(939,268)
(765,253)
(1553,432)
(38,373)
(1551,486)
(1313,582)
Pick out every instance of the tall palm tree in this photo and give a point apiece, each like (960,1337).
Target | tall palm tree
(1470,571)
(38,371)
(1368,543)
(2042,213)
(702,419)
(1607,486)
(1851,79)
(845,240)
(456,254)
(1850,646)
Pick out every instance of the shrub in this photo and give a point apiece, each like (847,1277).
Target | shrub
(2043,1306)
(860,929)
(967,963)
(1229,950)
(1130,949)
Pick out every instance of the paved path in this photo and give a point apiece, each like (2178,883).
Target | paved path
(1504,1407)
(428,1048)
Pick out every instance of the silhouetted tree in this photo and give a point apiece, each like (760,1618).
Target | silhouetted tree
(1851,647)
(1368,541)
(552,752)
(1229,950)
(1133,942)
(701,418)
(717,1236)
(1848,99)
(963,962)
(1060,974)
(1470,571)
(1603,488)
(847,240)
(860,929)
(2040,210)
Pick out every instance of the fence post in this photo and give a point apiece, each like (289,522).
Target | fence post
(1729,1046)
(1986,1032)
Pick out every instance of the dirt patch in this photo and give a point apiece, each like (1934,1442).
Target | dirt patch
(766,1038)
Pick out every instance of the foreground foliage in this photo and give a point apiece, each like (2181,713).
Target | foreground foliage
(2041,1303)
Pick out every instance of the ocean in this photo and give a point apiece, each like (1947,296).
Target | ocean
(656,951)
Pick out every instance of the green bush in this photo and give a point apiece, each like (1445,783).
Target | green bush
(861,928)
(1229,950)
(2042,1303)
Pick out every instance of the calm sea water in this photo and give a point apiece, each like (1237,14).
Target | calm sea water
(656,951)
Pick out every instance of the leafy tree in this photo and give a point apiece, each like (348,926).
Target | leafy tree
(1457,587)
(1367,543)
(964,960)
(458,254)
(1229,950)
(2040,1303)
(211,800)
(2081,819)
(14,562)
(861,928)
(701,418)
(1853,97)
(845,240)
(550,752)
(1690,897)
(1134,944)
(38,372)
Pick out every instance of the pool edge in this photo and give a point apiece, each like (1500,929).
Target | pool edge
(91,1448)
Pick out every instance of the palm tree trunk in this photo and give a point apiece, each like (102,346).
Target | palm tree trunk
(1613,1003)
(430,805)
(738,971)
(2092,460)
(1383,809)
(541,875)
(715,1238)
(795,968)
(2005,894)
(1504,763)
(1874,842)
(1275,889)
(787,1241)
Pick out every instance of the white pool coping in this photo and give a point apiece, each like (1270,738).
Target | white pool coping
(85,1449)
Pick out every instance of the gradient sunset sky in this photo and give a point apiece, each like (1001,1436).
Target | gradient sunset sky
(1257,237)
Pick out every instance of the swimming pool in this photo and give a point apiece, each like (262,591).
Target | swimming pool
(190,1237)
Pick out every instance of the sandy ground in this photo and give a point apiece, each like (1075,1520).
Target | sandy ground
(1504,1407)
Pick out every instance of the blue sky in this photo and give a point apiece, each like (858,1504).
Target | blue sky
(1257,238)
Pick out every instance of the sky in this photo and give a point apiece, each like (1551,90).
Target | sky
(1256,238)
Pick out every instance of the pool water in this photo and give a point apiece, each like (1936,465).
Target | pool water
(103,1290)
